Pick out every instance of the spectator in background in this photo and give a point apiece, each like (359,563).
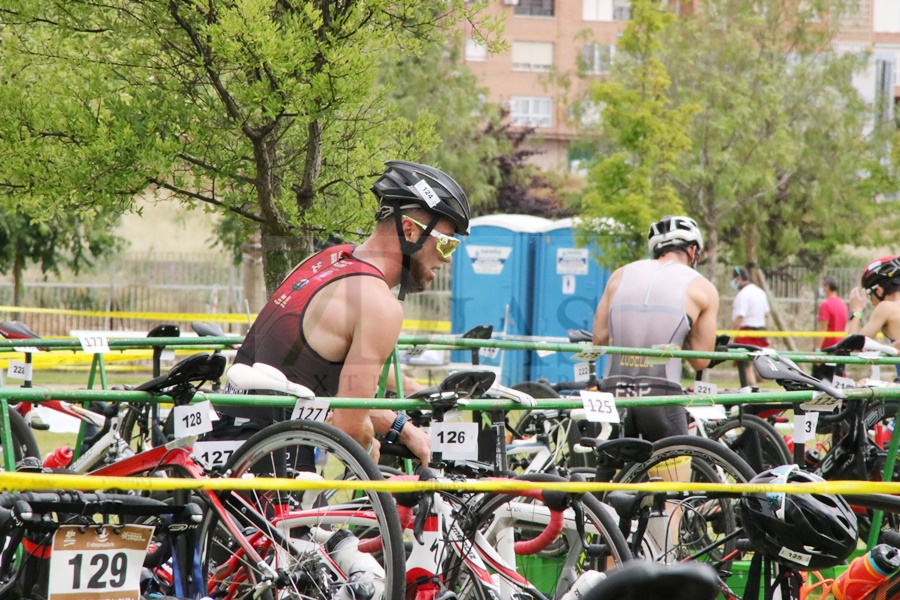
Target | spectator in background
(832,317)
(749,313)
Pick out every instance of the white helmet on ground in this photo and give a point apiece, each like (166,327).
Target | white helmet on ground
(673,232)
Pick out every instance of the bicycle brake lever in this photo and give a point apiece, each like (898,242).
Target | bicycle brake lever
(422,514)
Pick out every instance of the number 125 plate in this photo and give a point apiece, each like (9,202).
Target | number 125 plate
(98,564)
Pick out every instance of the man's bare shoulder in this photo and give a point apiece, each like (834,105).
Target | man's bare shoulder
(704,292)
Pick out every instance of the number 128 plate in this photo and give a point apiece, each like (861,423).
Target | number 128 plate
(98,564)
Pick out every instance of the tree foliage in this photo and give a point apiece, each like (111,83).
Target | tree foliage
(268,110)
(783,159)
(629,185)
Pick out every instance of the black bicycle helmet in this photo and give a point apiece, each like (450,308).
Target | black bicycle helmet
(673,232)
(406,184)
(803,531)
(882,271)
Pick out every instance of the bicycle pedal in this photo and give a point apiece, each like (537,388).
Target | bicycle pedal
(38,424)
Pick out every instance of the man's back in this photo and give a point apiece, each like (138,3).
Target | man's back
(752,304)
(647,309)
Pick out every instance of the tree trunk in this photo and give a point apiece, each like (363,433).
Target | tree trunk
(773,308)
(18,285)
(281,254)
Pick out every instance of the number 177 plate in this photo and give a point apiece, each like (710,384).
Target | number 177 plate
(98,563)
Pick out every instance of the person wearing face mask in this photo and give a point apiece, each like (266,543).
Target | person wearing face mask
(832,317)
(749,313)
(881,282)
(661,300)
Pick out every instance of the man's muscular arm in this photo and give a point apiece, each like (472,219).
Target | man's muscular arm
(601,316)
(702,336)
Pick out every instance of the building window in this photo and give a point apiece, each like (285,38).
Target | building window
(532,111)
(475,51)
(597,58)
(534,8)
(532,56)
(621,10)
(597,10)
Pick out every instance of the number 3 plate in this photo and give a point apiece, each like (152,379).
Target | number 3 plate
(98,564)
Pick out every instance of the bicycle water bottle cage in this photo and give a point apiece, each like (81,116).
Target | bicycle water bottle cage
(787,374)
(577,336)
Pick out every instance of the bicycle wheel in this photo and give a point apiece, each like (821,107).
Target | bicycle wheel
(286,528)
(753,439)
(24,443)
(552,571)
(693,521)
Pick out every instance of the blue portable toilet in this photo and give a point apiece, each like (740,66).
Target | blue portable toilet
(568,285)
(493,283)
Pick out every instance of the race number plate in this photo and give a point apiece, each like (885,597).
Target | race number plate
(193,419)
(310,410)
(456,441)
(19,370)
(600,407)
(94,343)
(589,355)
(805,427)
(582,371)
(705,388)
(842,383)
(489,352)
(98,563)
(216,454)
(821,402)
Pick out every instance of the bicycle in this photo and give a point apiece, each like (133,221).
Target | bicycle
(464,543)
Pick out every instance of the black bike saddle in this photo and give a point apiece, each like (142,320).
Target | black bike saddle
(642,580)
(195,368)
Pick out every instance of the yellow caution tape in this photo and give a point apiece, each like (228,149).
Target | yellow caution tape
(44,481)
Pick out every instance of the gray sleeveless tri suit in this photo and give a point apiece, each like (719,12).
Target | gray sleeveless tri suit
(646,310)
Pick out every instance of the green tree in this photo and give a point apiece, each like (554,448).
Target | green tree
(64,241)
(267,110)
(643,136)
(782,139)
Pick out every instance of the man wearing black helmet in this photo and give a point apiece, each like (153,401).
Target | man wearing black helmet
(647,303)
(333,322)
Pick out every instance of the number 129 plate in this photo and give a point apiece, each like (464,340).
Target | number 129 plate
(98,564)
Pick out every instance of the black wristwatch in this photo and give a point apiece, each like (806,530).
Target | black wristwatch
(394,434)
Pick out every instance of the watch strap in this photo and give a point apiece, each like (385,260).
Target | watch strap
(394,434)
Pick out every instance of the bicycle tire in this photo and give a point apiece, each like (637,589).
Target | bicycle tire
(277,450)
(703,520)
(24,444)
(770,451)
(561,563)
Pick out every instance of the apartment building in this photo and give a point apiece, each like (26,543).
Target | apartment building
(559,36)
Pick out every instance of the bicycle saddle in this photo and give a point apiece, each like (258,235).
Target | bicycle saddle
(204,329)
(16,330)
(461,384)
(165,330)
(643,580)
(195,368)
(479,332)
(787,374)
(576,336)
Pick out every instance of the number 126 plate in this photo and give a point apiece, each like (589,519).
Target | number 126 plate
(98,564)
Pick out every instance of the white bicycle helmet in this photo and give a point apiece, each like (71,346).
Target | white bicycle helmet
(674,231)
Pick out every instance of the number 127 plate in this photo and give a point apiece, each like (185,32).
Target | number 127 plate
(98,564)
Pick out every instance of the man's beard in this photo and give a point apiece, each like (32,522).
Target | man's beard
(416,279)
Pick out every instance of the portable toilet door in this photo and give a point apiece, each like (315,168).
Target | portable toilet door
(493,283)
(568,286)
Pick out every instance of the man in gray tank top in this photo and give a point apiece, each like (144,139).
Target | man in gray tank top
(646,303)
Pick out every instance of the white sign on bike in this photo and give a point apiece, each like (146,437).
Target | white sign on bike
(216,454)
(310,410)
(842,383)
(488,352)
(193,419)
(455,441)
(821,402)
(600,407)
(19,370)
(27,349)
(589,355)
(97,563)
(805,427)
(716,412)
(94,343)
(705,388)
(582,371)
